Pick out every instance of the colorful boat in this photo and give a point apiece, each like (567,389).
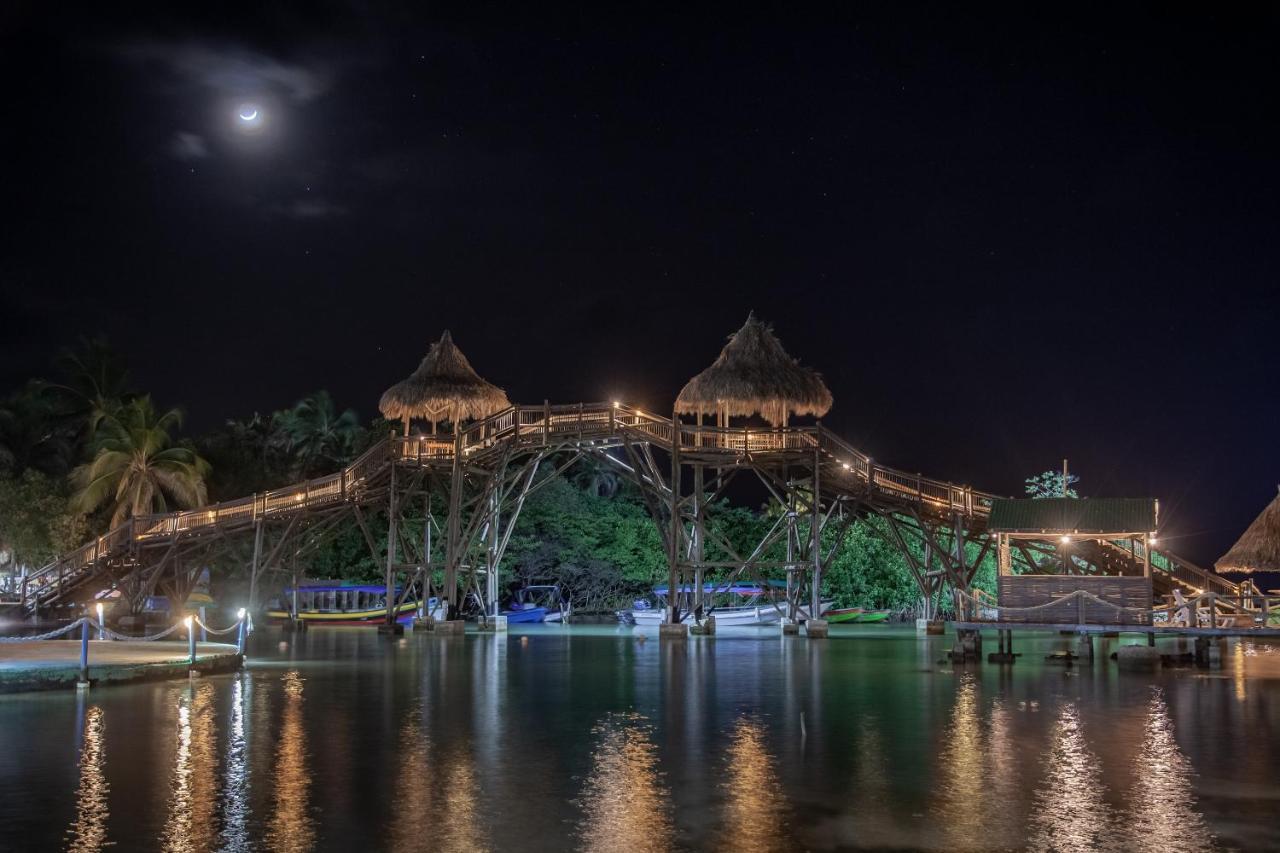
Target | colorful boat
(855,614)
(338,604)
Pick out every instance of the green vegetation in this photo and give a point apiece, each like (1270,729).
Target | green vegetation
(85,451)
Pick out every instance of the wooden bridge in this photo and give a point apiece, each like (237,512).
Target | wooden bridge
(487,469)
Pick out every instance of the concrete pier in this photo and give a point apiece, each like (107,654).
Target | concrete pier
(673,632)
(55,664)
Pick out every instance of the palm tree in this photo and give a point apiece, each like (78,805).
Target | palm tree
(137,468)
(319,436)
(94,384)
(31,435)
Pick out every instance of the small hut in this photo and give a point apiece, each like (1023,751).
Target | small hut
(445,387)
(1258,548)
(755,375)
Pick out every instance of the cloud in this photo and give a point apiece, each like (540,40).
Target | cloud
(188,146)
(233,70)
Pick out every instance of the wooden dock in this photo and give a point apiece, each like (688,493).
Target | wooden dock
(55,664)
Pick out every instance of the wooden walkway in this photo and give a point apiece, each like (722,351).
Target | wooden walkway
(839,469)
(1092,628)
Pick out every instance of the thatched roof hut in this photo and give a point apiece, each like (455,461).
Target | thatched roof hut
(1258,548)
(755,375)
(444,387)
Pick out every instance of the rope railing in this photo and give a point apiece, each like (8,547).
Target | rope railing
(1190,605)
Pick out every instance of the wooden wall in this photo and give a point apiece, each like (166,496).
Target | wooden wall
(1030,590)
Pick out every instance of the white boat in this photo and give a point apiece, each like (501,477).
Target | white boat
(736,605)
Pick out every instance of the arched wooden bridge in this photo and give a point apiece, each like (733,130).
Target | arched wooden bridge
(487,469)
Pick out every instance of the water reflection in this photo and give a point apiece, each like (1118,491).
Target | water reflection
(462,829)
(961,764)
(624,802)
(291,827)
(1164,816)
(414,815)
(192,798)
(872,818)
(1069,811)
(756,809)
(89,832)
(235,786)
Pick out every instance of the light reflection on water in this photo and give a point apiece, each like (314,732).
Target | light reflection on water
(1164,816)
(89,832)
(755,815)
(190,826)
(235,786)
(1070,813)
(385,747)
(291,828)
(624,802)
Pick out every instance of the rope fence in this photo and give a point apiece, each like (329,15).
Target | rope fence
(88,624)
(1190,605)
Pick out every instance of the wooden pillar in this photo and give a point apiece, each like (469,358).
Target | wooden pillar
(253,569)
(424,609)
(491,577)
(957,534)
(393,512)
(792,542)
(673,567)
(815,594)
(453,525)
(697,536)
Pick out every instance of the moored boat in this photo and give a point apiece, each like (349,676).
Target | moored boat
(732,606)
(339,604)
(855,614)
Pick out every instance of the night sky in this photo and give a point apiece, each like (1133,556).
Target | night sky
(1003,237)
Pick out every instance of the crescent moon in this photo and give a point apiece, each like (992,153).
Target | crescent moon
(250,117)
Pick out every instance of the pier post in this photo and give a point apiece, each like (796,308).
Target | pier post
(240,633)
(83,683)
(191,641)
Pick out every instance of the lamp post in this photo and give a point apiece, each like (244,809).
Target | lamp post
(191,638)
(240,631)
(102,625)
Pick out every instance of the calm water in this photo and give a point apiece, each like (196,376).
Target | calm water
(586,738)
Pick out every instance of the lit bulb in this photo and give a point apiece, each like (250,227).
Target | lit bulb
(1065,540)
(240,613)
(187,621)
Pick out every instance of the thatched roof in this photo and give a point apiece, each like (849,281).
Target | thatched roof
(1258,548)
(443,381)
(755,375)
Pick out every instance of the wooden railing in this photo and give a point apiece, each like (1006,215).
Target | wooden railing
(535,426)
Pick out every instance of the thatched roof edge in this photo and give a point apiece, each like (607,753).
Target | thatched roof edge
(1258,548)
(754,374)
(444,385)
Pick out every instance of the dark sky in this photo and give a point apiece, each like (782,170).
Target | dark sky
(1005,237)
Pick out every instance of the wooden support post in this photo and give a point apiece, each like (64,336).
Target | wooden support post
(673,553)
(253,571)
(697,554)
(491,576)
(393,515)
(815,594)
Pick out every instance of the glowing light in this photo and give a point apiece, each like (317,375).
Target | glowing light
(240,613)
(1065,540)
(98,607)
(248,113)
(616,404)
(187,621)
(845,465)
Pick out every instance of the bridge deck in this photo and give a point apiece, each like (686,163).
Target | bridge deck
(841,470)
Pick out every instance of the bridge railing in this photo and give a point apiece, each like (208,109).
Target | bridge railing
(534,424)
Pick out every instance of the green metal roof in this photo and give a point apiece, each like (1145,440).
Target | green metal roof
(1072,515)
